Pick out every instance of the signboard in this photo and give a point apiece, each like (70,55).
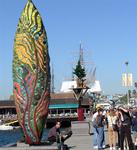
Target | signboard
(127,79)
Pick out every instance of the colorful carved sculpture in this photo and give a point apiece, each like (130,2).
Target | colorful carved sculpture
(31,74)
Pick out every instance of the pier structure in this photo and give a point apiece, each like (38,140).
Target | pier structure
(62,106)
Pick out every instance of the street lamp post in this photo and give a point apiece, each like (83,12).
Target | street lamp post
(128,82)
(126,63)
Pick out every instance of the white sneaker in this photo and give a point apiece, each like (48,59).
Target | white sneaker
(104,146)
(95,147)
(114,148)
(111,148)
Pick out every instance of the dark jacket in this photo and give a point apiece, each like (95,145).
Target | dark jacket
(134,122)
(53,133)
(127,118)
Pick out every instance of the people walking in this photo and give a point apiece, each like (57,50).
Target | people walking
(125,128)
(112,129)
(134,127)
(98,124)
(95,144)
(118,122)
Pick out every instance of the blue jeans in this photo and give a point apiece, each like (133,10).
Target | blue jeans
(95,143)
(100,137)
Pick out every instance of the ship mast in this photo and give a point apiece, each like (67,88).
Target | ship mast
(81,56)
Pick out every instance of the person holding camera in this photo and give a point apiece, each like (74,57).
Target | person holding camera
(124,125)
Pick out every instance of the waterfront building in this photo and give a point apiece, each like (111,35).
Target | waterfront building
(62,105)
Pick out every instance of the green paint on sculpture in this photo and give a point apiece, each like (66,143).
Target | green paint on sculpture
(31,74)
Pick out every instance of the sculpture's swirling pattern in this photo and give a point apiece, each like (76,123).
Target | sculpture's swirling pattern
(31,74)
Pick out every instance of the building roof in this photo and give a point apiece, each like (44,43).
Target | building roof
(62,95)
(96,88)
(68,85)
(7,104)
(56,106)
(57,100)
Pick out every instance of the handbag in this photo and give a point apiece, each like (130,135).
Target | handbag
(115,127)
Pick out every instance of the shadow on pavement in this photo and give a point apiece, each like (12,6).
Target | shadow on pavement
(72,147)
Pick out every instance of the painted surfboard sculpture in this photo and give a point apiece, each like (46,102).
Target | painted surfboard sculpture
(31,74)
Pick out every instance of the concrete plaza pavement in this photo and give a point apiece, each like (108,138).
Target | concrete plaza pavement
(81,140)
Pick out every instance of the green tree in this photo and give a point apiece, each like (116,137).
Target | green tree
(134,92)
(123,99)
(135,85)
(79,71)
(129,93)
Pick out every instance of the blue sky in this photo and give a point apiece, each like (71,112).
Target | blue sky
(107,30)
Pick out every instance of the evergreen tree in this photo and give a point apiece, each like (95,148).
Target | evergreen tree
(79,71)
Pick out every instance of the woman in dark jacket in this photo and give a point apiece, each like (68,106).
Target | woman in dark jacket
(125,128)
(134,127)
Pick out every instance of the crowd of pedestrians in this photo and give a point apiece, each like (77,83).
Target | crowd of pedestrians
(121,125)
